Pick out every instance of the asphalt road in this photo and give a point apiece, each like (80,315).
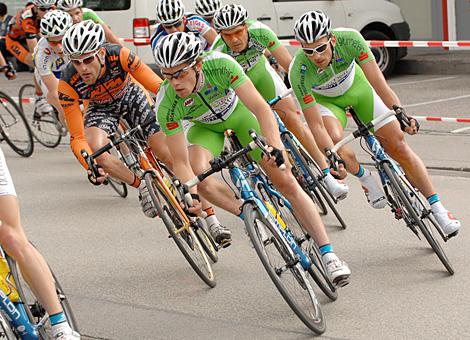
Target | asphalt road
(127,280)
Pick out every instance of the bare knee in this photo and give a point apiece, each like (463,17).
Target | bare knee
(13,241)
(400,151)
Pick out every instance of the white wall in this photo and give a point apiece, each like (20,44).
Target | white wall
(418,14)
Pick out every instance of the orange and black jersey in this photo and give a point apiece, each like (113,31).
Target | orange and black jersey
(26,24)
(122,69)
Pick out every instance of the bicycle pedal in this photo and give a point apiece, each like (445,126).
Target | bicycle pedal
(225,243)
(341,282)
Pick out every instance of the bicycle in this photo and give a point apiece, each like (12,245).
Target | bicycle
(289,255)
(22,316)
(192,239)
(20,139)
(307,172)
(405,201)
(45,127)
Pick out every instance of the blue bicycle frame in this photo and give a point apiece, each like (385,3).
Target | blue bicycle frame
(16,315)
(249,196)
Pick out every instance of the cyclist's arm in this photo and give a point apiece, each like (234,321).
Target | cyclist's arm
(2,60)
(52,84)
(141,72)
(256,104)
(282,56)
(179,151)
(110,36)
(380,85)
(31,44)
(210,36)
(69,101)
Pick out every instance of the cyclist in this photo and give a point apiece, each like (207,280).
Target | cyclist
(335,69)
(21,40)
(106,77)
(172,18)
(206,9)
(246,41)
(32,265)
(211,91)
(48,58)
(79,13)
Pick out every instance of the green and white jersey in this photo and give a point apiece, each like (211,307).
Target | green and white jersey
(308,81)
(89,14)
(260,38)
(213,100)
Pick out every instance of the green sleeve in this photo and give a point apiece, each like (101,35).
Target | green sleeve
(265,36)
(224,70)
(89,14)
(301,82)
(359,48)
(167,110)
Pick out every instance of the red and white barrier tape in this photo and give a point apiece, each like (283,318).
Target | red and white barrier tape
(437,119)
(372,43)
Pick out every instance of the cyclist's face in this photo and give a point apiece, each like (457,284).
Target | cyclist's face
(43,10)
(56,44)
(76,14)
(88,66)
(236,38)
(178,27)
(183,82)
(321,59)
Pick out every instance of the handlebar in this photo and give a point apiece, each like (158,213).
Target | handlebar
(275,100)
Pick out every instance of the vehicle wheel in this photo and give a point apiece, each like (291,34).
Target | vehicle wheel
(386,57)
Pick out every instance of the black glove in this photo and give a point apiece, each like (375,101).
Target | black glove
(275,152)
(404,119)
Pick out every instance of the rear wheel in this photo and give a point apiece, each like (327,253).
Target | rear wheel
(183,235)
(14,127)
(284,269)
(43,127)
(416,213)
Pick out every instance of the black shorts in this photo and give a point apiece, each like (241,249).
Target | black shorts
(133,106)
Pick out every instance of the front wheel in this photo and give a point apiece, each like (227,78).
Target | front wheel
(36,312)
(14,127)
(284,269)
(407,195)
(5,329)
(182,233)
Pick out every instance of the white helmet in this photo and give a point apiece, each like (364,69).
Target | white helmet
(207,8)
(43,3)
(176,49)
(55,23)
(230,16)
(67,5)
(82,38)
(312,26)
(169,11)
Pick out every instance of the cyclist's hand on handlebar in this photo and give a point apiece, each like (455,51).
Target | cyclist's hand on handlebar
(408,124)
(99,177)
(195,208)
(340,172)
(276,158)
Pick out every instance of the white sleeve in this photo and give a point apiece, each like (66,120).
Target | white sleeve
(198,24)
(42,58)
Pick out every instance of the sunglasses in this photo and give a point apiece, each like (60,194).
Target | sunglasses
(180,73)
(88,60)
(44,9)
(319,49)
(54,43)
(176,25)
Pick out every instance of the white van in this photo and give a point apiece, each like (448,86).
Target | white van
(375,19)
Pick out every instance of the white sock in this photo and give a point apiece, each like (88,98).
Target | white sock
(437,207)
(212,219)
(365,175)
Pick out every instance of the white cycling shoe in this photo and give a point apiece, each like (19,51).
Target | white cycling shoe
(66,334)
(374,194)
(336,188)
(337,269)
(41,106)
(449,224)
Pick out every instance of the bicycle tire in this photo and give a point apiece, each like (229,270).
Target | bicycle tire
(44,129)
(207,243)
(118,186)
(35,310)
(6,332)
(404,198)
(314,321)
(308,245)
(187,241)
(18,116)
(320,188)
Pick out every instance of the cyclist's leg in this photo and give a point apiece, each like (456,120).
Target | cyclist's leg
(392,139)
(34,268)
(207,144)
(99,123)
